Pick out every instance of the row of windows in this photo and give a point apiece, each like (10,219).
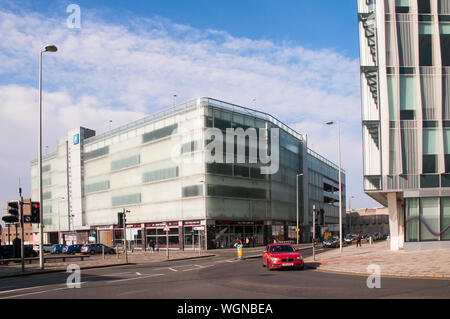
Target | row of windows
(161,174)
(125,162)
(96,187)
(234,170)
(147,137)
(160,133)
(237,192)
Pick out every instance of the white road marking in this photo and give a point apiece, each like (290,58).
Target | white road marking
(142,277)
(138,273)
(172,269)
(36,292)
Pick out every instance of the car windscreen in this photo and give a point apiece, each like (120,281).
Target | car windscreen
(281,249)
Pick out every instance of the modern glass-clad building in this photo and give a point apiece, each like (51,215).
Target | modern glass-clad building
(405,92)
(157,169)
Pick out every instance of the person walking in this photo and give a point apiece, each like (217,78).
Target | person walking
(358,240)
(152,245)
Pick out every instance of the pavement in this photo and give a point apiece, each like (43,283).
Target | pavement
(96,261)
(433,263)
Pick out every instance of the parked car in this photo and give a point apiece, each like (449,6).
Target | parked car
(57,249)
(96,249)
(46,248)
(72,249)
(277,256)
(7,251)
(330,242)
(349,238)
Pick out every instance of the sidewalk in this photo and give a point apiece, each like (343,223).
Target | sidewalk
(421,264)
(97,261)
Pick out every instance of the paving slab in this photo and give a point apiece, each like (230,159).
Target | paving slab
(433,263)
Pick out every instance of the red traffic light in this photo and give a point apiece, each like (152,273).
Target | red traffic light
(35,212)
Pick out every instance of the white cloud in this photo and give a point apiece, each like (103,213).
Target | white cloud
(123,71)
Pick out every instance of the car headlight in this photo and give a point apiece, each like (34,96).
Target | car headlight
(300,258)
(274,260)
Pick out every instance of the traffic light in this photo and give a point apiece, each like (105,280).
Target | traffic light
(35,212)
(120,220)
(13,210)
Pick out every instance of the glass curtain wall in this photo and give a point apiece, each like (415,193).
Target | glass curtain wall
(427,219)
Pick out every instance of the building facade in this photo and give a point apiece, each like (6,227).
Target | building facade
(367,221)
(405,93)
(157,168)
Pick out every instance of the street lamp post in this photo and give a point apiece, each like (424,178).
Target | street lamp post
(49,48)
(340,183)
(296,230)
(350,209)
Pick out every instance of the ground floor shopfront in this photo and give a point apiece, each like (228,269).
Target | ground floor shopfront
(187,235)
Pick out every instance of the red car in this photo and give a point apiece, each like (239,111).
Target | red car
(278,256)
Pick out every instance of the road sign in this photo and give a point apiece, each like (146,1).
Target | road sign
(27,218)
(166,228)
(199,228)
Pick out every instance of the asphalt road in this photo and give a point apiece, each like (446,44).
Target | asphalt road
(215,277)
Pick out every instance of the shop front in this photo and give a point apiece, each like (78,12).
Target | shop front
(154,233)
(227,232)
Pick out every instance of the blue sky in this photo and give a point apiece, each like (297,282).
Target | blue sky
(297,58)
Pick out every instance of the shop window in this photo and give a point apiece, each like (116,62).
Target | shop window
(411,219)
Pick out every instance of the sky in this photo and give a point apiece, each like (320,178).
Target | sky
(295,59)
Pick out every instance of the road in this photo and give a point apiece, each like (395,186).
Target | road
(215,277)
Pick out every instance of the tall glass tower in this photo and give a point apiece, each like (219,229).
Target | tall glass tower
(405,100)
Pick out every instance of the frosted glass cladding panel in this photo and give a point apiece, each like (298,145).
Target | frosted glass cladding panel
(193,208)
(428,82)
(406,40)
(444,6)
(429,211)
(228,208)
(393,108)
(391,44)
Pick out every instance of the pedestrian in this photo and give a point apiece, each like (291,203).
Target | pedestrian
(247,241)
(152,246)
(358,240)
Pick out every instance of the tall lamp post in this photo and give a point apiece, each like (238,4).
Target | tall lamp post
(340,183)
(297,230)
(49,48)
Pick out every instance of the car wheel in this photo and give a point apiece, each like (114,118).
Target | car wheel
(92,252)
(112,252)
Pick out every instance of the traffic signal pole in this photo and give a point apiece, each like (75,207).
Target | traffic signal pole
(314,232)
(21,231)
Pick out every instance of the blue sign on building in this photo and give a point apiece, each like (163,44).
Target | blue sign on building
(76,139)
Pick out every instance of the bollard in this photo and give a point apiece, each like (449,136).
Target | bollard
(103,252)
(239,251)
(117,252)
